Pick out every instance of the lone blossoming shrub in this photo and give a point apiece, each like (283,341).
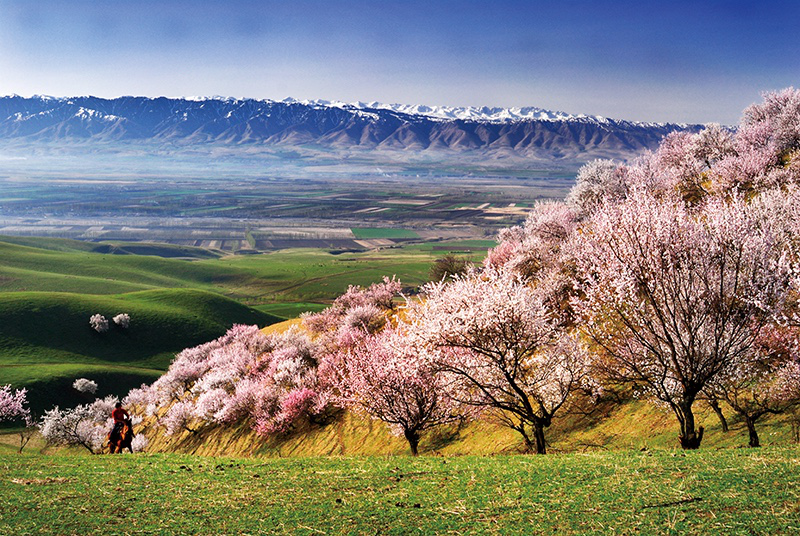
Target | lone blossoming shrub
(83,385)
(99,323)
(122,320)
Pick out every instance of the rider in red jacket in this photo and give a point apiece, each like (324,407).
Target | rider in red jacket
(119,414)
(115,436)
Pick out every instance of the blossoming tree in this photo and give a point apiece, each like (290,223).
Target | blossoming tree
(502,350)
(389,378)
(675,297)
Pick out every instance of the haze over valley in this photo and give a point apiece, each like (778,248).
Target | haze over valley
(242,175)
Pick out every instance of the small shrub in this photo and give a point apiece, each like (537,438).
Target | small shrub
(123,320)
(82,385)
(99,323)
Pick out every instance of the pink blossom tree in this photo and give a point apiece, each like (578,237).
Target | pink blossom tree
(597,182)
(390,379)
(378,295)
(287,387)
(178,417)
(14,407)
(765,148)
(502,349)
(13,403)
(271,379)
(674,297)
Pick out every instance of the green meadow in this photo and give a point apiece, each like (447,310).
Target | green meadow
(382,232)
(305,275)
(709,492)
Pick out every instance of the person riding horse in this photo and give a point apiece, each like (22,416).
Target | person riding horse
(121,434)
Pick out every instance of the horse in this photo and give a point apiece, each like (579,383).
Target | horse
(121,436)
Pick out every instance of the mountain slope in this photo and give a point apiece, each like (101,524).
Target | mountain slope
(524,132)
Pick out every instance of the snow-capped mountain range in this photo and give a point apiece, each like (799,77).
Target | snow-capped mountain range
(524,132)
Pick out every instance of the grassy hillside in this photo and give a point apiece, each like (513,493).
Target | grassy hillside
(288,281)
(633,425)
(46,341)
(113,247)
(624,492)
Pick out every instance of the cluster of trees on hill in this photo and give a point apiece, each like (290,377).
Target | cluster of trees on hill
(675,276)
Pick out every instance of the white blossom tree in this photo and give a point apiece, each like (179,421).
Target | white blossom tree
(84,385)
(675,297)
(123,320)
(99,323)
(86,425)
(502,348)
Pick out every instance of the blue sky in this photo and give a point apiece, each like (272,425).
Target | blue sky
(656,61)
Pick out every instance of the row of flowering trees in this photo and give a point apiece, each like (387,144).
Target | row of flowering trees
(675,275)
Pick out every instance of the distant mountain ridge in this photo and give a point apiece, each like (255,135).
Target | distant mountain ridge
(524,132)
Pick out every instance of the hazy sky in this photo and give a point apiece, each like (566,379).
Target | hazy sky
(669,60)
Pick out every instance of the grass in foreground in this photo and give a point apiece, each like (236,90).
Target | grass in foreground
(731,491)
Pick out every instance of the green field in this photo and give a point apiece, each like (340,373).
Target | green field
(624,492)
(382,232)
(286,276)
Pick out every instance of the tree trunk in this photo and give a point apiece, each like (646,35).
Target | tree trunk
(538,435)
(751,429)
(722,420)
(690,438)
(526,438)
(412,436)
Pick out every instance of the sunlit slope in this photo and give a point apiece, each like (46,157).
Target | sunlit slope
(633,425)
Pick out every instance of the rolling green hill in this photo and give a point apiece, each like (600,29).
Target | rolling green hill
(293,276)
(46,341)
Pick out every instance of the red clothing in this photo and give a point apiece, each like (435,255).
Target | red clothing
(119,414)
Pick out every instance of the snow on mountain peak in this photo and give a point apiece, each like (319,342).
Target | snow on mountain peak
(448,113)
